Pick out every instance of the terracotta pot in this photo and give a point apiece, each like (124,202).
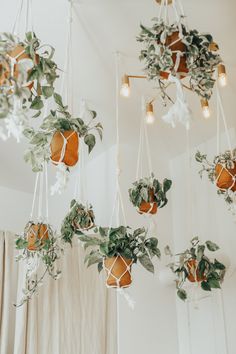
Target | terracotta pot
(36,232)
(178,46)
(71,155)
(148,207)
(224,177)
(117,272)
(194,275)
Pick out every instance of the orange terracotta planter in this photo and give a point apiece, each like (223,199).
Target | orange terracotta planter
(178,46)
(148,207)
(71,155)
(225,177)
(35,233)
(118,275)
(194,275)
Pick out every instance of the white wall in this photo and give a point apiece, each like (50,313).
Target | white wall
(199,211)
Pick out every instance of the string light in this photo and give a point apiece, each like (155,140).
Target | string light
(205,109)
(150,118)
(222,77)
(125,88)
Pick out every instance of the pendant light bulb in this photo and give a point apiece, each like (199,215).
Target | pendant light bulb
(150,118)
(222,77)
(205,109)
(125,87)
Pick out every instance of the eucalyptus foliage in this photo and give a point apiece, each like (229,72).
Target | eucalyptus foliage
(41,75)
(43,258)
(58,120)
(227,160)
(141,191)
(210,273)
(111,242)
(201,61)
(77,221)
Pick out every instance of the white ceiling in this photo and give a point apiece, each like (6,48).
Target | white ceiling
(101,28)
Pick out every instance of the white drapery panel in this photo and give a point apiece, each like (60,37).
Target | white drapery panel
(75,314)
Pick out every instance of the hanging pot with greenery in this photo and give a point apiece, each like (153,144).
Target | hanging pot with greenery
(116,249)
(148,194)
(221,172)
(39,249)
(195,266)
(58,137)
(174,49)
(78,221)
(27,77)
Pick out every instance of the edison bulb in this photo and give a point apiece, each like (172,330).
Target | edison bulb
(222,80)
(125,90)
(150,118)
(206,112)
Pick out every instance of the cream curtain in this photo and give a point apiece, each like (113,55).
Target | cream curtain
(74,315)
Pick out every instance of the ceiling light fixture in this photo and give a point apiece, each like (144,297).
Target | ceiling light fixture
(205,108)
(222,77)
(125,86)
(150,118)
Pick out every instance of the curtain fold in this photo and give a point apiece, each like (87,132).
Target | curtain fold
(75,314)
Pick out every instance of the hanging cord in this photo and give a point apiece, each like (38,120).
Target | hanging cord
(40,205)
(46,190)
(218,128)
(219,100)
(224,322)
(15,29)
(34,196)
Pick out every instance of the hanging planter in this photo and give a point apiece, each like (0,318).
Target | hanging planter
(194,266)
(58,138)
(78,221)
(148,194)
(27,76)
(173,49)
(221,172)
(116,249)
(40,250)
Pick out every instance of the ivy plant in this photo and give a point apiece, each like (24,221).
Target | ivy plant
(193,264)
(111,242)
(141,191)
(33,82)
(201,60)
(58,120)
(79,220)
(226,160)
(46,254)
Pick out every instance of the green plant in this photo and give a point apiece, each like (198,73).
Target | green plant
(195,266)
(31,83)
(141,191)
(58,120)
(110,242)
(201,61)
(225,161)
(45,254)
(77,221)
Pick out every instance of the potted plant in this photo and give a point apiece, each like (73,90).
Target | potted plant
(38,246)
(78,221)
(173,49)
(27,74)
(116,249)
(222,172)
(148,194)
(194,266)
(58,137)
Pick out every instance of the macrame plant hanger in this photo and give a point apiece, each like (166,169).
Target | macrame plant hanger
(118,206)
(179,111)
(62,174)
(15,122)
(144,153)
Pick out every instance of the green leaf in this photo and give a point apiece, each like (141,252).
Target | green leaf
(182,294)
(205,286)
(167,185)
(218,265)
(58,99)
(90,141)
(212,246)
(47,91)
(94,114)
(214,283)
(146,263)
(37,103)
